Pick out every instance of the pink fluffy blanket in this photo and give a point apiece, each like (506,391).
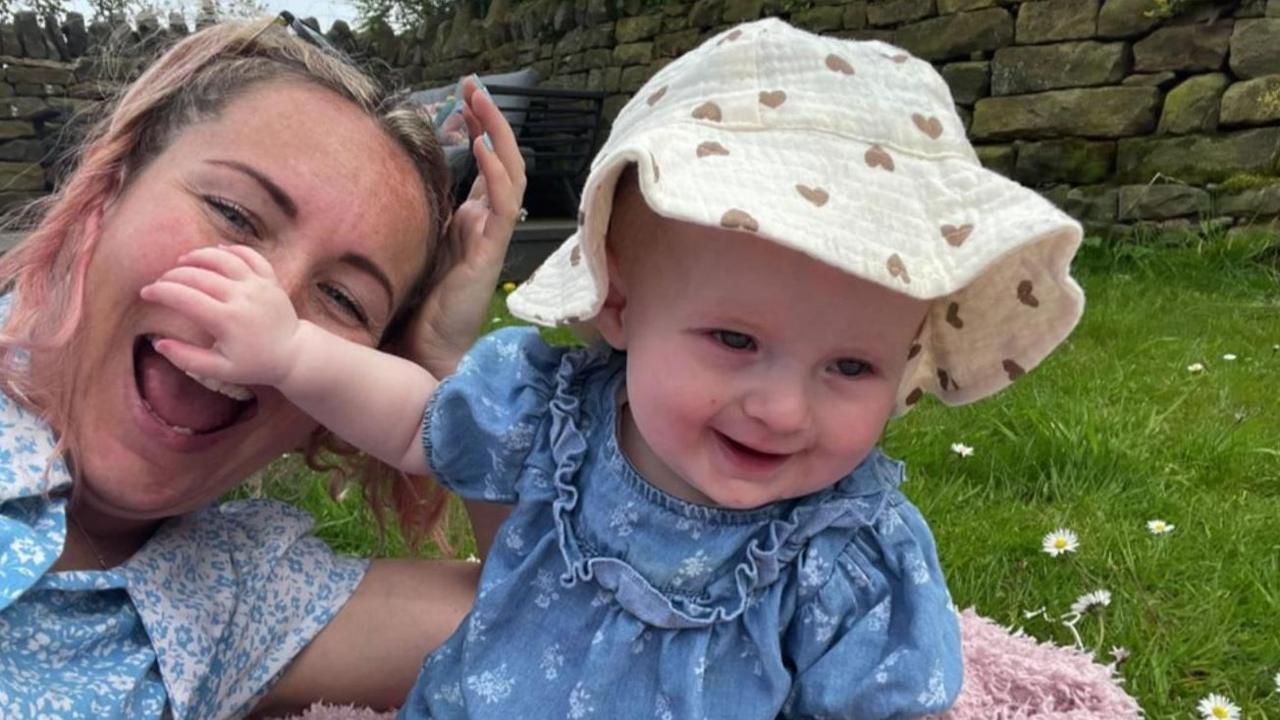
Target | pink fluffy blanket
(1007,676)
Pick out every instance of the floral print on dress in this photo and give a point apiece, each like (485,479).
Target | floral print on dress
(196,625)
(623,602)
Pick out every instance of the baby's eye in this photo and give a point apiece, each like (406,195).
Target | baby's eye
(851,368)
(734,340)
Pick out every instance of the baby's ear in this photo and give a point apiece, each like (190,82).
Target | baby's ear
(610,321)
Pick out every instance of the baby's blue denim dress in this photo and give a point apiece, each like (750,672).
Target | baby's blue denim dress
(604,597)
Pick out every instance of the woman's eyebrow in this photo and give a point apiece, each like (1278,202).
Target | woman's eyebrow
(277,193)
(360,262)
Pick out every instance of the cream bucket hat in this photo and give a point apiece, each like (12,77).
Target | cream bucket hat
(852,153)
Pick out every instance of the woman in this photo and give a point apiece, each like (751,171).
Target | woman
(124,592)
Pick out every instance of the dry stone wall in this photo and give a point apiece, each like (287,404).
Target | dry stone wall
(1119,115)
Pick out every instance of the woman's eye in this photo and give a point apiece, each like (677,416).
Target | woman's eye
(346,302)
(734,340)
(851,368)
(233,215)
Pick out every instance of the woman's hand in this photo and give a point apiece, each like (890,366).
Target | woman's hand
(451,317)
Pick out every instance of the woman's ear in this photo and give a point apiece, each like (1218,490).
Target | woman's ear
(611,319)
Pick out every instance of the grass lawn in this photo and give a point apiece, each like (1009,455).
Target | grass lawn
(1110,432)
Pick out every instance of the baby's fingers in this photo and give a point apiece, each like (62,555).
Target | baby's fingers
(253,259)
(215,285)
(194,359)
(198,306)
(219,259)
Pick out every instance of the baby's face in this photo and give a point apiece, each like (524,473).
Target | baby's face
(754,373)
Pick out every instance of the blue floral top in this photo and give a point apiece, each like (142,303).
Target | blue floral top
(606,598)
(197,624)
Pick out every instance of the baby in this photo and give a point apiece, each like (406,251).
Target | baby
(785,241)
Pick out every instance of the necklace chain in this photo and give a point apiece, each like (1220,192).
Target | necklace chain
(88,539)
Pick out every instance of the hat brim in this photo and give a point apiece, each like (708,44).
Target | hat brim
(931,227)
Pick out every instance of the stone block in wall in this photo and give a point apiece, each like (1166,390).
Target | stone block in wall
(604,79)
(598,11)
(11,200)
(1106,112)
(997,158)
(30,35)
(1199,159)
(38,90)
(1070,160)
(21,176)
(633,54)
(77,34)
(635,29)
(947,7)
(74,105)
(6,90)
(882,35)
(1043,21)
(1095,204)
(1160,79)
(1273,8)
(895,12)
(633,78)
(966,117)
(969,81)
(855,15)
(571,43)
(23,108)
(54,73)
(26,150)
(54,39)
(958,35)
(706,13)
(676,43)
(1126,18)
(673,24)
(820,19)
(1193,105)
(1161,202)
(1252,102)
(1255,48)
(10,129)
(599,36)
(1258,201)
(9,42)
(563,17)
(1188,48)
(598,57)
(1250,9)
(1021,69)
(736,11)
(92,90)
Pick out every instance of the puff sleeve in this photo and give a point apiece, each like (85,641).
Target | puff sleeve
(879,638)
(481,421)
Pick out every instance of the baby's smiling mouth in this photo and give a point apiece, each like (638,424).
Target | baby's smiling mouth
(187,404)
(749,454)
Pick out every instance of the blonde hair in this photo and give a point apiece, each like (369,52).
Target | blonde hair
(44,276)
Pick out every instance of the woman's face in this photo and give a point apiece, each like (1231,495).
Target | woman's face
(322,192)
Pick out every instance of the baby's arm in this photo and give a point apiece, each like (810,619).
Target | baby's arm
(372,400)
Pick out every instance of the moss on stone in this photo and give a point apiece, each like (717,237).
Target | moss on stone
(1240,182)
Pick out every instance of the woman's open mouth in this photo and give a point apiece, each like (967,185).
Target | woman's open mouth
(187,404)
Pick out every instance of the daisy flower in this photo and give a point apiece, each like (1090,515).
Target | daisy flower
(1119,654)
(1159,527)
(1060,541)
(1229,357)
(1097,598)
(1218,707)
(961,449)
(1195,368)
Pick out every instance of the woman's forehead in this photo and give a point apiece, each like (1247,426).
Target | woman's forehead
(350,183)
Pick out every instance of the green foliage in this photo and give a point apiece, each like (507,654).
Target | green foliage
(1111,431)
(1165,9)
(1247,181)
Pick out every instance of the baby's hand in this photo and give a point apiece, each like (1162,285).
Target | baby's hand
(231,292)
